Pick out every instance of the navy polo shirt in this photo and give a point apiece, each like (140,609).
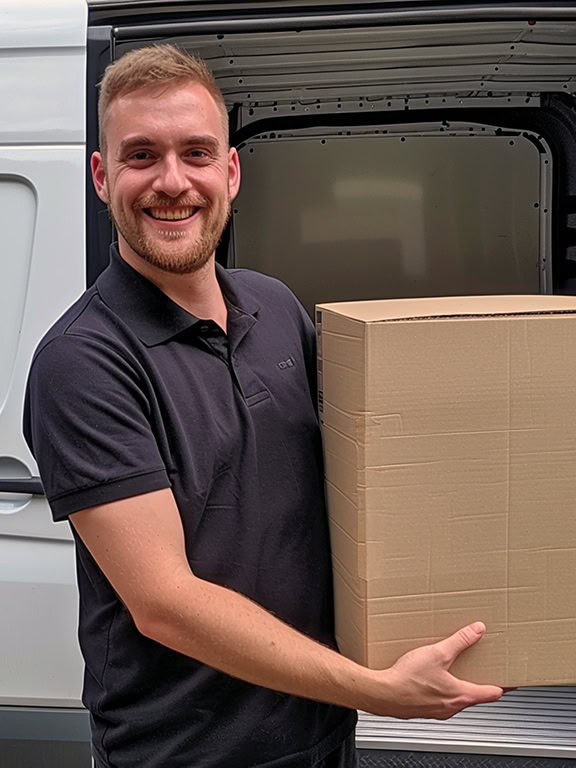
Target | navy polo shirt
(129,393)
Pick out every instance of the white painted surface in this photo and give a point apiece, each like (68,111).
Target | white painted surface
(42,266)
(43,62)
(41,664)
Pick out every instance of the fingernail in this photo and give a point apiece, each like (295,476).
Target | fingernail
(478,627)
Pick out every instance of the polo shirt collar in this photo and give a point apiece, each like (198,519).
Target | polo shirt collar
(149,312)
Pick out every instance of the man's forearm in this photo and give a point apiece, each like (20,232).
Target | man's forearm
(229,632)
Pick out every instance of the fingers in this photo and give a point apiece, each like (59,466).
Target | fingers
(465,638)
(484,694)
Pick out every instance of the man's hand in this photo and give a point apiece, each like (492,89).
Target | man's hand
(424,686)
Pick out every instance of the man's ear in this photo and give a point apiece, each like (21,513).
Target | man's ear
(99,176)
(233,173)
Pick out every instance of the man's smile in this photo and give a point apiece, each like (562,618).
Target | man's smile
(166,213)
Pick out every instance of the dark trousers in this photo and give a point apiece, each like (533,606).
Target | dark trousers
(343,757)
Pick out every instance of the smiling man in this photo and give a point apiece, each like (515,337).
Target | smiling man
(184,451)
(174,219)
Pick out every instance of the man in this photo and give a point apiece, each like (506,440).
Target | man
(188,462)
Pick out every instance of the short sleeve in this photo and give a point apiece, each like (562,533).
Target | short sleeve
(87,423)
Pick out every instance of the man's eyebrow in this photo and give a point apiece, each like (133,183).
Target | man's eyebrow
(206,141)
(135,142)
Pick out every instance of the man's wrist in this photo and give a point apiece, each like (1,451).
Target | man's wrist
(365,689)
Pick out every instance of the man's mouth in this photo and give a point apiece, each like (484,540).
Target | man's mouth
(170,214)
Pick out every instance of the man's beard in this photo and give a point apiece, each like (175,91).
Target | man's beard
(191,256)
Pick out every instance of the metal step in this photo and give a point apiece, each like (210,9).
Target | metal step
(532,722)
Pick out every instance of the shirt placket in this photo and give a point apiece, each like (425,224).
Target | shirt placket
(228,348)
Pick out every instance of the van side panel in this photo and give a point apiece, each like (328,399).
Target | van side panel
(42,172)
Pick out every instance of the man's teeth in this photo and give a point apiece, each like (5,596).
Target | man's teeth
(171,214)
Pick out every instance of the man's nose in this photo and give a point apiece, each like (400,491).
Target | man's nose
(172,178)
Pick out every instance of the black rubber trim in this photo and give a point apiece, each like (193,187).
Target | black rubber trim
(374,758)
(335,20)
(286,5)
(31,485)
(18,753)
(500,118)
(99,228)
(44,724)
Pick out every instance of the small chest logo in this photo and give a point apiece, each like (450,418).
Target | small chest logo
(288,363)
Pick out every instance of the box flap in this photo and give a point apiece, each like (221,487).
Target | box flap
(450,306)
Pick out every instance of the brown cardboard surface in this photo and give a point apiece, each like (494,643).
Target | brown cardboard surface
(449,306)
(450,443)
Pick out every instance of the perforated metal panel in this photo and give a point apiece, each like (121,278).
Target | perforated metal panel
(379,62)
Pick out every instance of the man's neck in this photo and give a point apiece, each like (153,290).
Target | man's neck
(198,292)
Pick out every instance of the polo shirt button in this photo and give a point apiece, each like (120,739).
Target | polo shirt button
(204,328)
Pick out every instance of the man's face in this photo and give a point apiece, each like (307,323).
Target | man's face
(168,177)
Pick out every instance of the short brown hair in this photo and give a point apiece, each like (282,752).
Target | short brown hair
(154,65)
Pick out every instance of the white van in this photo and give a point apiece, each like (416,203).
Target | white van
(389,149)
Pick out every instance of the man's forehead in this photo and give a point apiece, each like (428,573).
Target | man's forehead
(156,96)
(152,109)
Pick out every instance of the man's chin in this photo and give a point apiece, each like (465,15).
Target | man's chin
(182,255)
(176,260)
(183,267)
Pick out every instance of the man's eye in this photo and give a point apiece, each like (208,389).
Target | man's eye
(197,153)
(143,155)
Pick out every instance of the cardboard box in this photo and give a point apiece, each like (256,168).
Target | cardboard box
(450,444)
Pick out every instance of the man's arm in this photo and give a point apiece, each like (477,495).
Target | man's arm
(139,545)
